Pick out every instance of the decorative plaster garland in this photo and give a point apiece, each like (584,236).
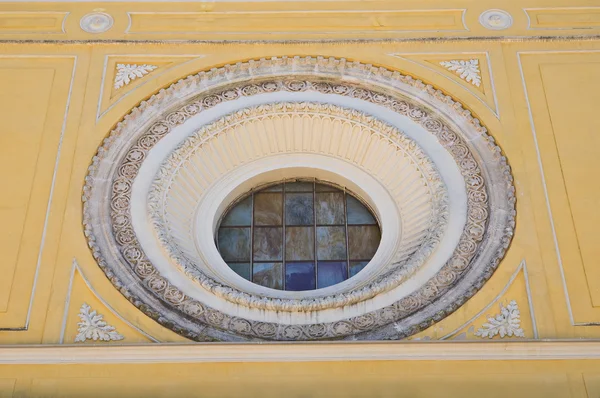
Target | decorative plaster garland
(202,323)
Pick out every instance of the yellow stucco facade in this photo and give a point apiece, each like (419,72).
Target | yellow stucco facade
(538,97)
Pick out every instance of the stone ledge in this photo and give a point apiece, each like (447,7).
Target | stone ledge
(301,352)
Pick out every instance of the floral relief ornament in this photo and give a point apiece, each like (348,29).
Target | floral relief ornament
(126,73)
(467,70)
(93,327)
(506,323)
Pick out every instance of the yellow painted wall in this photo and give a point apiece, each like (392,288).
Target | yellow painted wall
(539,98)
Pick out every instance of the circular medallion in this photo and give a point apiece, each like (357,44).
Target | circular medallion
(496,19)
(96,22)
(167,174)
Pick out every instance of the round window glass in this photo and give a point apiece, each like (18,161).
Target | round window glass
(298,235)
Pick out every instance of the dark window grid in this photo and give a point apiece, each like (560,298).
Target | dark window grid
(316,254)
(251,238)
(345,199)
(283,254)
(297,261)
(315,225)
(298,225)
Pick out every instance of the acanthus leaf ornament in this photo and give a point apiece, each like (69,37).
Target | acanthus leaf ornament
(94,327)
(506,323)
(467,70)
(126,73)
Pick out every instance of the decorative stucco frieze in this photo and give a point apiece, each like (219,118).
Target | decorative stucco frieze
(126,73)
(506,324)
(94,327)
(468,70)
(485,238)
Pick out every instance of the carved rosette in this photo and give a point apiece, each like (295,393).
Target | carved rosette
(382,307)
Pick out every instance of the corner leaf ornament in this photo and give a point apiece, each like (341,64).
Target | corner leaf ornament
(126,73)
(506,323)
(93,327)
(467,70)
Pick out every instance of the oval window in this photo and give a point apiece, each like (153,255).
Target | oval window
(298,235)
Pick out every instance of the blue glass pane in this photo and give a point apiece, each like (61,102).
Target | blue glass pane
(299,276)
(240,214)
(234,244)
(357,212)
(331,243)
(299,209)
(356,267)
(330,273)
(268,275)
(242,269)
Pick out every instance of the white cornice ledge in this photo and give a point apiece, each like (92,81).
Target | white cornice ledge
(299,352)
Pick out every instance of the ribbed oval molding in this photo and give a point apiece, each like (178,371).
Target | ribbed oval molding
(267,130)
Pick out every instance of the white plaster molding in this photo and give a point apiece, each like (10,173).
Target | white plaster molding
(54,175)
(126,73)
(544,182)
(96,22)
(128,93)
(521,268)
(494,109)
(67,302)
(306,352)
(110,307)
(495,19)
(506,323)
(173,217)
(468,70)
(93,327)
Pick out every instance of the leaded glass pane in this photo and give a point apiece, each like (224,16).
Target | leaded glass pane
(300,276)
(273,188)
(326,188)
(356,267)
(363,241)
(268,275)
(240,215)
(268,209)
(299,186)
(268,244)
(329,207)
(242,269)
(331,243)
(357,212)
(331,273)
(234,244)
(299,243)
(299,209)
